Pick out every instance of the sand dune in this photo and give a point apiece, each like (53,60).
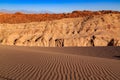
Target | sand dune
(33,63)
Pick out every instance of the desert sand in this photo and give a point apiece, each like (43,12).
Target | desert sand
(50,46)
(72,63)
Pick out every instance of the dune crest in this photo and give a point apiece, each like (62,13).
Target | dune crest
(97,30)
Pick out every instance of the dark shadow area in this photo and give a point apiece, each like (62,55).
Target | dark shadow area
(111,43)
(117,57)
(92,40)
(59,42)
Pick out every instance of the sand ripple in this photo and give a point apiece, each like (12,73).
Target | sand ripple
(45,66)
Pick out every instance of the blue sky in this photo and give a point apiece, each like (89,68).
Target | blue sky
(60,5)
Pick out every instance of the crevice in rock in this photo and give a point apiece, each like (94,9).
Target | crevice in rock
(111,42)
(83,23)
(73,32)
(95,29)
(37,38)
(92,40)
(50,39)
(59,42)
(28,40)
(102,19)
(1,40)
(15,41)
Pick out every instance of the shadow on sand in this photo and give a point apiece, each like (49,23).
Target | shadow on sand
(117,57)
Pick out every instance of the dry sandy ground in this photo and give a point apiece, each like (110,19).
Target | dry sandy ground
(35,63)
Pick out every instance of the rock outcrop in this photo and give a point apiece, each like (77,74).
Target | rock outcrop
(97,30)
(19,17)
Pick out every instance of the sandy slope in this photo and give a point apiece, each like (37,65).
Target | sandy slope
(33,63)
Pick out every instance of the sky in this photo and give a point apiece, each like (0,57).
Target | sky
(60,5)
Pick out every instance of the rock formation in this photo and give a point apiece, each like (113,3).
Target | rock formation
(96,30)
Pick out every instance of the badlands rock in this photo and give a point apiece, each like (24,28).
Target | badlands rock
(97,30)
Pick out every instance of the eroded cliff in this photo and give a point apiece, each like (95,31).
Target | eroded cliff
(97,30)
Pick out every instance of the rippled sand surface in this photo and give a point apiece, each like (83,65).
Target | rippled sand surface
(81,63)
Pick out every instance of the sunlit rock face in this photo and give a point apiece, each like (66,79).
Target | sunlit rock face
(97,30)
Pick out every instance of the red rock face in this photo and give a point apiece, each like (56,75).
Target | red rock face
(19,17)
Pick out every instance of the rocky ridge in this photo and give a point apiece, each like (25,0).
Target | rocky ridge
(97,30)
